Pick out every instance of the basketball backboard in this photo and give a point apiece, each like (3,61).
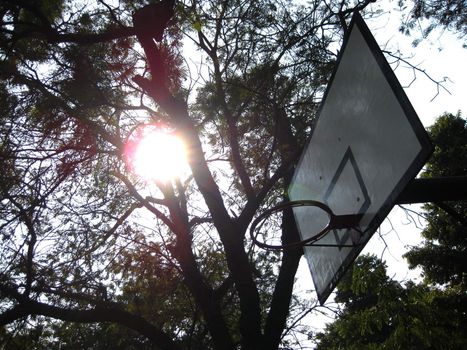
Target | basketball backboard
(366,145)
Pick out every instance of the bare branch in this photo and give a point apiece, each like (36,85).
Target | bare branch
(439,83)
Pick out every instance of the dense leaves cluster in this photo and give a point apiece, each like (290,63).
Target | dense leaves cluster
(380,313)
(444,254)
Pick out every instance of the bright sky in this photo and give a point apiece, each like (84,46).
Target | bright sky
(441,56)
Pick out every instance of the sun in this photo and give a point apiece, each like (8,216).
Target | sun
(155,154)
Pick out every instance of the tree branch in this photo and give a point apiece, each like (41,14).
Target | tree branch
(97,314)
(134,192)
(279,309)
(194,279)
(51,35)
(231,237)
(231,121)
(26,217)
(55,37)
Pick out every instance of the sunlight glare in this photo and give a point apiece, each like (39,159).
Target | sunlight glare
(156,155)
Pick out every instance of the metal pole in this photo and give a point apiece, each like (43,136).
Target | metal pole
(439,189)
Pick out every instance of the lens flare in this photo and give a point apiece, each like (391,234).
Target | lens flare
(155,154)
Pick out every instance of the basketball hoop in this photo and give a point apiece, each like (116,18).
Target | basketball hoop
(334,222)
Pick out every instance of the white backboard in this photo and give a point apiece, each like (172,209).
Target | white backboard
(366,145)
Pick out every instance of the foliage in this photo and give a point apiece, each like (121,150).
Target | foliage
(443,255)
(451,15)
(380,313)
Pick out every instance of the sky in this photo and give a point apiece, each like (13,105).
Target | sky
(440,57)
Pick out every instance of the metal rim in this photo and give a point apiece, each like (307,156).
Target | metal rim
(286,205)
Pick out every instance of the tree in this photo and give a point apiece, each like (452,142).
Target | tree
(379,313)
(83,239)
(451,15)
(443,255)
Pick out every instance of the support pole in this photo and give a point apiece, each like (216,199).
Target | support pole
(440,189)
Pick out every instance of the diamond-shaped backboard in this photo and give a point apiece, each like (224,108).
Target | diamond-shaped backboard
(366,145)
